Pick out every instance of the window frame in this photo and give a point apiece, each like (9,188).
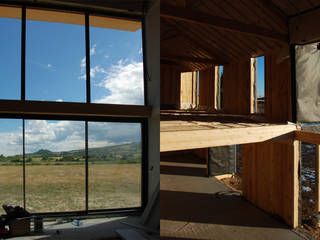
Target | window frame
(45,110)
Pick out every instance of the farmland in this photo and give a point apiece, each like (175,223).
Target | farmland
(56,181)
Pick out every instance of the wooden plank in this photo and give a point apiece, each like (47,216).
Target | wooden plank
(192,139)
(40,108)
(202,18)
(236,88)
(317,203)
(309,137)
(264,183)
(277,88)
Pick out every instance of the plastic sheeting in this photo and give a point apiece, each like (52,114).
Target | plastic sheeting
(221,160)
(308,82)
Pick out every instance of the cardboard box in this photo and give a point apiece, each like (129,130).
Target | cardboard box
(19,227)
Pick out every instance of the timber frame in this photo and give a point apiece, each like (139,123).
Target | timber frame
(202,36)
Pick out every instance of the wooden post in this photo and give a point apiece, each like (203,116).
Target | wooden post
(317,205)
(253,85)
(296,159)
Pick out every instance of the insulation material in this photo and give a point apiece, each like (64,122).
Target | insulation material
(221,160)
(308,83)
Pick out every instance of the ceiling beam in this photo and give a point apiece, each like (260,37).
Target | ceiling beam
(273,9)
(193,59)
(202,18)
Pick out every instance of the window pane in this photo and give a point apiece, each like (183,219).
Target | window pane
(55,165)
(54,54)
(116,61)
(114,165)
(11,179)
(10,49)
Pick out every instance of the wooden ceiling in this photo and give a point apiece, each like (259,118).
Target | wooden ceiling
(199,33)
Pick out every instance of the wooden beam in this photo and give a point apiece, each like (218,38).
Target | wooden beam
(201,18)
(317,179)
(305,28)
(274,10)
(309,137)
(193,139)
(41,108)
(193,59)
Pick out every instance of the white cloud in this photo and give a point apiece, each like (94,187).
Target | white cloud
(59,100)
(124,81)
(67,135)
(93,50)
(96,69)
(49,65)
(106,56)
(140,51)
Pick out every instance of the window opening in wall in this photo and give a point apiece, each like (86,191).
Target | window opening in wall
(10,49)
(260,85)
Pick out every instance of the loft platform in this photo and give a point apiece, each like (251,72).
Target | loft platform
(183,130)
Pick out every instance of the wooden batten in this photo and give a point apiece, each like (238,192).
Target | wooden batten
(236,88)
(169,87)
(207,88)
(270,178)
(277,88)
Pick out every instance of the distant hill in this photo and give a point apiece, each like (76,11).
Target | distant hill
(123,149)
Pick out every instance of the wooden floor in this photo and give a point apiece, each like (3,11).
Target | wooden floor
(182,130)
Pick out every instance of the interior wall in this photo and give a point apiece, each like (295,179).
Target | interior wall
(207,87)
(152,32)
(169,87)
(277,88)
(270,177)
(236,88)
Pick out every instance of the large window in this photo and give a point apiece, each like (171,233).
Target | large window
(82,158)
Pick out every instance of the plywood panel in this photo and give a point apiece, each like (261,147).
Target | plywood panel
(277,89)
(169,87)
(270,177)
(188,90)
(207,88)
(236,88)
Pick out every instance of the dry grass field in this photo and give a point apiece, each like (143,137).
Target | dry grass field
(55,188)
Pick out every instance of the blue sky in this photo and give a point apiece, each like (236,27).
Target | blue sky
(55,71)
(260,76)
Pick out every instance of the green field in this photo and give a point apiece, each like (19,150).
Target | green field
(54,188)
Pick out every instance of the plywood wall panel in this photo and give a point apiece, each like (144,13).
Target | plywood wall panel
(270,178)
(277,89)
(236,88)
(207,87)
(169,87)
